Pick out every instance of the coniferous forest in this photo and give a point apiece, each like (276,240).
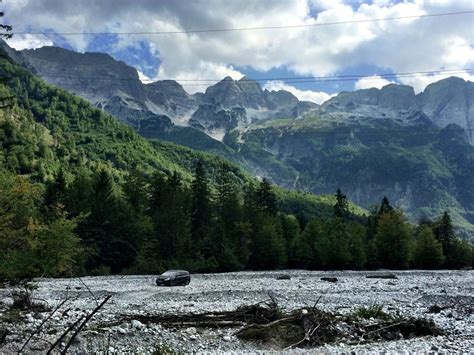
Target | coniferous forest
(81,193)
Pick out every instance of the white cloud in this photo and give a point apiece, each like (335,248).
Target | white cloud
(28,42)
(374,81)
(420,82)
(302,95)
(409,45)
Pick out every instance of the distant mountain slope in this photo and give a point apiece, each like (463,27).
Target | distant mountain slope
(161,106)
(415,148)
(48,129)
(448,101)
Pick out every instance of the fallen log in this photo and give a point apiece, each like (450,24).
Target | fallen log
(382,276)
(329,279)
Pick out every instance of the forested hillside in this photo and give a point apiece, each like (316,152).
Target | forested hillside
(81,193)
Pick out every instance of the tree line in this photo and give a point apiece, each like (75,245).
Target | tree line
(89,223)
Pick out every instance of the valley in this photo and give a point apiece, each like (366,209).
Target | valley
(415,148)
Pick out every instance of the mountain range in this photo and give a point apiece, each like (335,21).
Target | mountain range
(418,149)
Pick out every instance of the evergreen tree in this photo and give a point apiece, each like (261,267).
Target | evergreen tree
(200,205)
(385,207)
(428,252)
(228,214)
(444,232)
(341,208)
(268,245)
(137,192)
(462,254)
(171,218)
(393,241)
(338,254)
(266,199)
(357,245)
(56,190)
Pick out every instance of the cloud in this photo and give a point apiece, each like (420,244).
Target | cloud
(29,42)
(374,81)
(302,95)
(409,45)
(420,82)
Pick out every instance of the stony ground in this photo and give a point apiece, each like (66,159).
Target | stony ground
(134,296)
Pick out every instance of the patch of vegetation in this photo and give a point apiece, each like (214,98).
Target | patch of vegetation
(374,311)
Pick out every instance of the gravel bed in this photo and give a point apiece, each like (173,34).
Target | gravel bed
(411,295)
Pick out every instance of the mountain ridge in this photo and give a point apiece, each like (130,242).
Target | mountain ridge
(415,148)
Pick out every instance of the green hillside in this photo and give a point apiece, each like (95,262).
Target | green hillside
(81,193)
(425,169)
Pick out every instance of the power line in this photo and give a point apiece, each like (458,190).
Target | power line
(248,81)
(244,28)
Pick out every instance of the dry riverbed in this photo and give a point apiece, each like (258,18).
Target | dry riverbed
(117,326)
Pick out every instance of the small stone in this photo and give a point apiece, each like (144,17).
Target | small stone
(192,337)
(121,330)
(137,324)
(8,301)
(191,330)
(227,338)
(111,349)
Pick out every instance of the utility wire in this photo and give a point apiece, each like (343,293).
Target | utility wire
(46,33)
(248,81)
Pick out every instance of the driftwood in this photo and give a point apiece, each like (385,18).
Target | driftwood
(38,329)
(79,324)
(63,335)
(382,276)
(329,279)
(83,324)
(266,323)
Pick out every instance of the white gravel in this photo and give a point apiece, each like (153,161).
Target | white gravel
(411,294)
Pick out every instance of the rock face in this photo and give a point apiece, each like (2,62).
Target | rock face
(450,101)
(115,87)
(418,149)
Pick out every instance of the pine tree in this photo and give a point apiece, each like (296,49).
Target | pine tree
(171,218)
(444,232)
(226,238)
(200,205)
(393,241)
(385,207)
(341,208)
(428,252)
(266,199)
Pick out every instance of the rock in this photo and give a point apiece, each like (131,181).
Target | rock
(329,279)
(191,330)
(137,324)
(192,337)
(283,277)
(30,318)
(8,301)
(227,338)
(111,349)
(121,330)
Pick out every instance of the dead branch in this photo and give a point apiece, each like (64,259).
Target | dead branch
(63,335)
(265,326)
(90,291)
(37,330)
(83,324)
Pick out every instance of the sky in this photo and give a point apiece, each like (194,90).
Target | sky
(364,48)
